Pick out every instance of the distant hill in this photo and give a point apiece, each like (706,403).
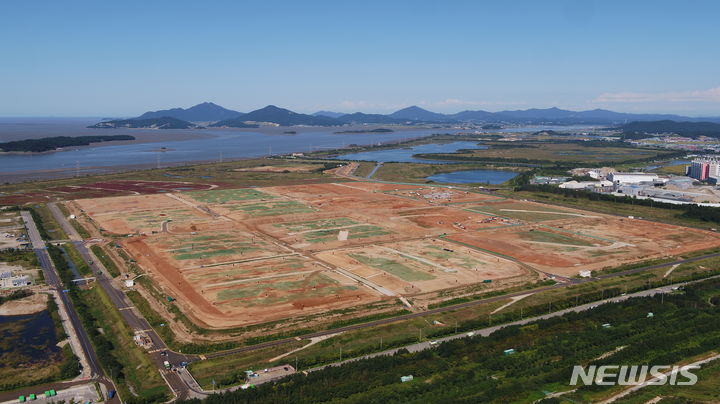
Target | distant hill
(359,117)
(205,112)
(280,116)
(209,112)
(152,123)
(415,113)
(233,123)
(472,116)
(329,114)
(53,143)
(639,130)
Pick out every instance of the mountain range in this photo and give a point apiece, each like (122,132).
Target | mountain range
(223,117)
(205,112)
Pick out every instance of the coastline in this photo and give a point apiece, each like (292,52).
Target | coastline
(66,165)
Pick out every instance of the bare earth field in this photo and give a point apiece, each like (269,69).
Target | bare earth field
(234,257)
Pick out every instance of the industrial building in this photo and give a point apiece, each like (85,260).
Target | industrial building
(12,279)
(632,178)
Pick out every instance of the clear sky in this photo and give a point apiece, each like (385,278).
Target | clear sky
(121,58)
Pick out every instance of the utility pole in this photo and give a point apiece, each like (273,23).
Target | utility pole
(77,168)
(221,157)
(158,160)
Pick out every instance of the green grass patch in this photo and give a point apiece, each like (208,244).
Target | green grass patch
(273,208)
(229,195)
(393,267)
(138,372)
(317,224)
(549,237)
(107,262)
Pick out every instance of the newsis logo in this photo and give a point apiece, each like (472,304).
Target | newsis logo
(625,375)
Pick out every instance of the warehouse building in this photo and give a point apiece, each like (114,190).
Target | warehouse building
(632,178)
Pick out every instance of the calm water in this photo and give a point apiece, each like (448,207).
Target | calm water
(199,145)
(474,176)
(405,155)
(211,145)
(668,164)
(29,336)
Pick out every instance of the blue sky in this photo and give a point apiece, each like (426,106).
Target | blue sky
(121,58)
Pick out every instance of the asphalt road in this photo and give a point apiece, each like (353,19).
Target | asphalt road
(52,278)
(137,322)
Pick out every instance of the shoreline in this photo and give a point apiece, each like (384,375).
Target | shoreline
(18,177)
(28,176)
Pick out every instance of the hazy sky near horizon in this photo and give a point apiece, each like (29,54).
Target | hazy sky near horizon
(121,58)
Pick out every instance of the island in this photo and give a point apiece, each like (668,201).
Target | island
(378,130)
(56,142)
(149,123)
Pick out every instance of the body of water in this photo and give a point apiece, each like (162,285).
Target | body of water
(405,154)
(668,164)
(173,147)
(195,145)
(474,176)
(28,338)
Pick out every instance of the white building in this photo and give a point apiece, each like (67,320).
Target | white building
(585,184)
(632,178)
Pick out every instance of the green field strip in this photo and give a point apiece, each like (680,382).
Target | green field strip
(226,195)
(497,199)
(361,231)
(488,213)
(579,234)
(275,208)
(393,267)
(497,254)
(316,224)
(540,236)
(220,252)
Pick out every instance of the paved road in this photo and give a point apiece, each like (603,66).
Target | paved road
(52,278)
(377,166)
(133,319)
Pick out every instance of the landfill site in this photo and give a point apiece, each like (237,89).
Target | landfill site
(236,257)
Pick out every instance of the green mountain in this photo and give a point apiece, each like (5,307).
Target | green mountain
(280,116)
(639,130)
(205,112)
